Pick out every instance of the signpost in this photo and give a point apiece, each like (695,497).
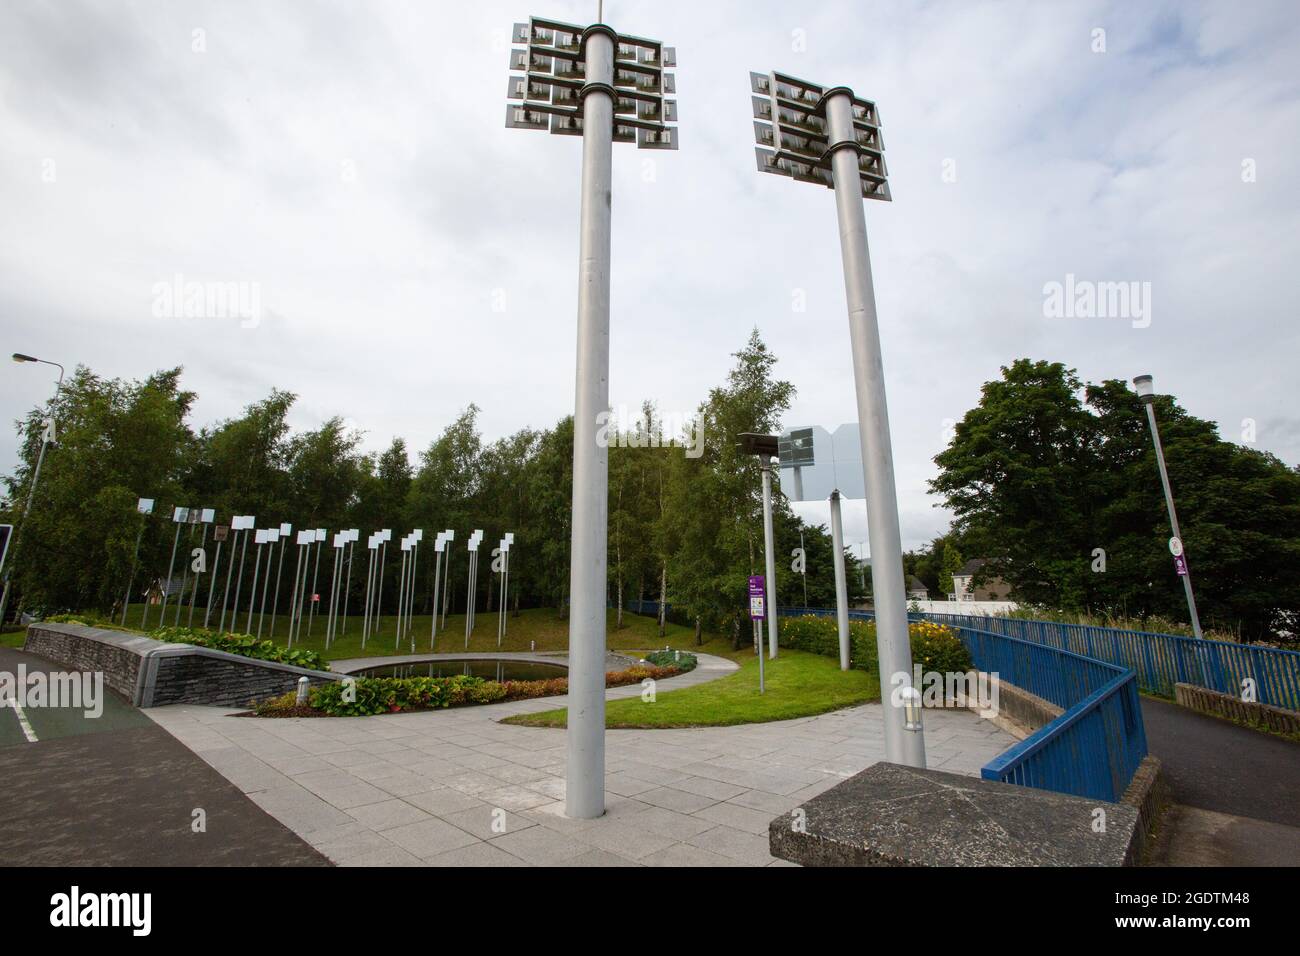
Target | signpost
(283,534)
(757,614)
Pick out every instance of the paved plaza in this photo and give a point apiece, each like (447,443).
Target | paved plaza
(458,788)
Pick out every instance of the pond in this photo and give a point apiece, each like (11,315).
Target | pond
(483,667)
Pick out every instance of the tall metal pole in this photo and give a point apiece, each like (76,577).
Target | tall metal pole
(171,566)
(293,600)
(769,548)
(437,571)
(370,578)
(194,598)
(902,746)
(469,596)
(135,559)
(379,586)
(1173,516)
(279,566)
(225,596)
(401,596)
(347,588)
(841,581)
(239,580)
(185,578)
(212,584)
(410,598)
(446,585)
(585,738)
(315,576)
(31,489)
(252,591)
(266,584)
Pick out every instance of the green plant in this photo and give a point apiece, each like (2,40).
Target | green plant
(681,660)
(934,646)
(245,645)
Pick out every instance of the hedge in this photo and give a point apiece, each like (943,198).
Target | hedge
(934,646)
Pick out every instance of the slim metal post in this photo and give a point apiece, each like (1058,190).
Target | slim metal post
(841,580)
(239,580)
(902,746)
(769,548)
(194,598)
(171,566)
(185,579)
(252,591)
(437,571)
(1173,517)
(266,586)
(225,596)
(347,588)
(315,576)
(585,738)
(212,585)
(279,566)
(401,598)
(135,559)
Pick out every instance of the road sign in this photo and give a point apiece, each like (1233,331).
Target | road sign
(757,598)
(1180,564)
(1176,547)
(220,532)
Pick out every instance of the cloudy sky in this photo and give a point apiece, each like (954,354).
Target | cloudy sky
(349,162)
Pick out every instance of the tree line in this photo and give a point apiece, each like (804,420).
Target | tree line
(684,530)
(1052,480)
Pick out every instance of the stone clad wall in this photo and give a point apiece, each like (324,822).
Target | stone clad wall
(1234,708)
(152,673)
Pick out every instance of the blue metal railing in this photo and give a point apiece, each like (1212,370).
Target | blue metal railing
(1092,749)
(1161,660)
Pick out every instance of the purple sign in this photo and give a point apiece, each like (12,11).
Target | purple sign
(757,598)
(1180,564)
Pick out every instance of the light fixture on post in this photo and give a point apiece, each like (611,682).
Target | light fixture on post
(766,448)
(607,88)
(1146,392)
(47,438)
(829,136)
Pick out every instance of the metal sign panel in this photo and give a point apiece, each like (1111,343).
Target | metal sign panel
(795,448)
(837,464)
(757,598)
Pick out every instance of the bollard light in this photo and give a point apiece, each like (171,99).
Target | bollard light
(911,708)
(303,684)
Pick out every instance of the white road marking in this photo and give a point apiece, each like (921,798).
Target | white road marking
(22,718)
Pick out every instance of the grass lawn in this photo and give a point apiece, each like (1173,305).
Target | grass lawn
(13,637)
(544,626)
(798,684)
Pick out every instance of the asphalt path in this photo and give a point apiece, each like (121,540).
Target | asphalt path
(117,789)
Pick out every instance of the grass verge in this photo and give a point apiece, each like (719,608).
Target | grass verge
(798,684)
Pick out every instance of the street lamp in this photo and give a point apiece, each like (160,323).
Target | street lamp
(46,438)
(1147,396)
(607,88)
(828,136)
(766,448)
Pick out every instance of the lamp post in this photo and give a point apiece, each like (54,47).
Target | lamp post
(1147,395)
(841,582)
(605,87)
(46,438)
(144,508)
(828,136)
(765,447)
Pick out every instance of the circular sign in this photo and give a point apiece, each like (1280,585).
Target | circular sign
(1175,546)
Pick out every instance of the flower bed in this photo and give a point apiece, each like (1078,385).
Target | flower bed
(395,695)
